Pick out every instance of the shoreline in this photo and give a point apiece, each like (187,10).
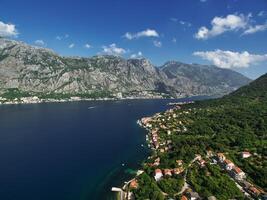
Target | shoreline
(151,145)
(36,100)
(124,193)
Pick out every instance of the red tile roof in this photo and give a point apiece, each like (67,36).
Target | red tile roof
(184,197)
(237,170)
(134,184)
(228,161)
(167,171)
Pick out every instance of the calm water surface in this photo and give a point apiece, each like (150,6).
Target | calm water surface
(71,151)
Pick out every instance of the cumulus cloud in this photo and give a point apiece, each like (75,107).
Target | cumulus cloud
(157,43)
(145,33)
(7,30)
(254,29)
(113,50)
(262,13)
(230,59)
(87,46)
(220,25)
(71,45)
(138,55)
(39,43)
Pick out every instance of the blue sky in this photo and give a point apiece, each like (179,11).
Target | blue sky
(229,33)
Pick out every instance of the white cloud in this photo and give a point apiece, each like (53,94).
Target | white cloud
(39,42)
(184,23)
(138,55)
(262,13)
(220,25)
(71,45)
(157,43)
(62,37)
(230,59)
(145,33)
(113,50)
(87,46)
(254,29)
(8,30)
(181,22)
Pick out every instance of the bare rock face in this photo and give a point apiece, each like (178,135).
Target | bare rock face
(34,69)
(203,79)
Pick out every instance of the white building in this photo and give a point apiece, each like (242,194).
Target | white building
(158,174)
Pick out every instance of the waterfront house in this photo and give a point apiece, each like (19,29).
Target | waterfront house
(238,173)
(134,184)
(209,153)
(221,157)
(245,184)
(184,197)
(254,191)
(228,164)
(158,174)
(145,120)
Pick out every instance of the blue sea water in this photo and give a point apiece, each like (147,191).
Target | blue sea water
(71,151)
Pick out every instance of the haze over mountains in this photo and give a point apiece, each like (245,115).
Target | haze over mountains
(39,70)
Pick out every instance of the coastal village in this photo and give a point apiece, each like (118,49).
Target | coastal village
(174,178)
(17,99)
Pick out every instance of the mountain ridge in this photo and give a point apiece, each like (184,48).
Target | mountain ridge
(39,70)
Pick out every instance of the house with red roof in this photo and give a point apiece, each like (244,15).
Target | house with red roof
(158,174)
(245,154)
(238,173)
(228,164)
(221,157)
(167,172)
(134,184)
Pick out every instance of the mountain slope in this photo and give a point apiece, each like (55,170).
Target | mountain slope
(255,90)
(204,78)
(207,137)
(38,70)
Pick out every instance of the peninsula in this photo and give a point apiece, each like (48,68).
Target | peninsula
(212,149)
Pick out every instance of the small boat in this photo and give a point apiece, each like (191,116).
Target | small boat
(91,107)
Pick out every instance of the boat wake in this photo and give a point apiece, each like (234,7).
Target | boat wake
(92,107)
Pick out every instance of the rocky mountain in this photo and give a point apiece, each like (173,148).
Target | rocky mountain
(34,70)
(203,79)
